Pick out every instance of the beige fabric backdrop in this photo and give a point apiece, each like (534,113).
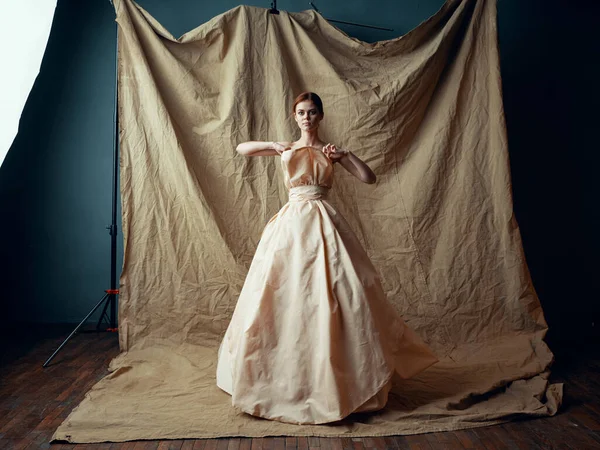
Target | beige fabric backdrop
(424,111)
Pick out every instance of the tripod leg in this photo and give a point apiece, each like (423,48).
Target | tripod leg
(103,314)
(75,330)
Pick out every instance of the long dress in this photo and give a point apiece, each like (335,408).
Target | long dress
(313,337)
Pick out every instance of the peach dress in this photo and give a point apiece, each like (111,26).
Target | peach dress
(313,337)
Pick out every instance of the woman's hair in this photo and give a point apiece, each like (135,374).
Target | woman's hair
(309,96)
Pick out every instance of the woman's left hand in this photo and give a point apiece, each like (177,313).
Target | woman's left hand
(333,153)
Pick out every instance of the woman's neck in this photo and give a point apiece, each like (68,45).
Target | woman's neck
(309,138)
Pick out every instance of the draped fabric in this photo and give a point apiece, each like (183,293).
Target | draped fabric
(424,111)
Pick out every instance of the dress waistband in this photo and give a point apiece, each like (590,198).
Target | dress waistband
(307,192)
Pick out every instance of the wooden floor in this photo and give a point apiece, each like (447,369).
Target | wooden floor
(34,401)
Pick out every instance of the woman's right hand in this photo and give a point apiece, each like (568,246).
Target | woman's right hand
(278,147)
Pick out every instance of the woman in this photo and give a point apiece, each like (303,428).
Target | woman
(313,338)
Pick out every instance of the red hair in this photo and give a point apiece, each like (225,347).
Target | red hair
(309,96)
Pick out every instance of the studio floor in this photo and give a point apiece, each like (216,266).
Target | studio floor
(35,400)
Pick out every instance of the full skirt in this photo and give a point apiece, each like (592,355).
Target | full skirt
(313,337)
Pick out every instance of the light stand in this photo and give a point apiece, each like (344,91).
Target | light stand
(110,296)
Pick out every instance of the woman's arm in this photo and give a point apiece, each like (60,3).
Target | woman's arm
(259,148)
(351,163)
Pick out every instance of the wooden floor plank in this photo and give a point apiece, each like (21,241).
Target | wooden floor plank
(400,442)
(346,443)
(325,443)
(335,444)
(446,440)
(188,444)
(357,444)
(233,444)
(314,442)
(210,444)
(302,443)
(291,443)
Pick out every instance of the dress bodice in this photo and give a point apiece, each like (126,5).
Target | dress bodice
(306,166)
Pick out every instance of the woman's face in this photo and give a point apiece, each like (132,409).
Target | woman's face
(307,115)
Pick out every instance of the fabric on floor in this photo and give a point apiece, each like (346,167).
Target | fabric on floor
(424,111)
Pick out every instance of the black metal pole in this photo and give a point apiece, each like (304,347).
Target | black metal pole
(115,195)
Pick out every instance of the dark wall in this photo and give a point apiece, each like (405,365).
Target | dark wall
(550,59)
(55,184)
